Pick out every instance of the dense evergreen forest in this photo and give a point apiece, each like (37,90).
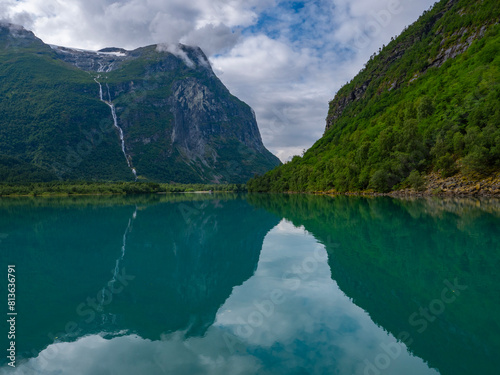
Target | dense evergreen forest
(427,102)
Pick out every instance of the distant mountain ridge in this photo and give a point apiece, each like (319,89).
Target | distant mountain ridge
(429,102)
(157,112)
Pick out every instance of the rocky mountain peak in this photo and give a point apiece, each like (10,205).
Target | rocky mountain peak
(160,106)
(17,36)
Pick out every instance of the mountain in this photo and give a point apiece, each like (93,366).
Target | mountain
(157,112)
(428,102)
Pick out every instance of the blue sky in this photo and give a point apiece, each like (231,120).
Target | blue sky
(286,59)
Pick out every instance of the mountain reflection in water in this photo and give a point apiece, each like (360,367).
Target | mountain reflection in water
(259,284)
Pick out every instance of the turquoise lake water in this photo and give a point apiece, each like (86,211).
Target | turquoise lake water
(252,284)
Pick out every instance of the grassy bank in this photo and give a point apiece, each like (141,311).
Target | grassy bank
(60,188)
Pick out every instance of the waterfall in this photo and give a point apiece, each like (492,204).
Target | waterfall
(103,68)
(118,261)
(115,123)
(100,90)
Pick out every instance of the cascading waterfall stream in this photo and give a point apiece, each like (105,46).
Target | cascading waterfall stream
(110,285)
(115,122)
(104,68)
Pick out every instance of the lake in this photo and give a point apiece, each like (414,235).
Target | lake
(252,284)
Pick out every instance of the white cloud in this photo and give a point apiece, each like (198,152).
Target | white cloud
(289,75)
(175,50)
(130,23)
(254,332)
(283,98)
(213,38)
(285,61)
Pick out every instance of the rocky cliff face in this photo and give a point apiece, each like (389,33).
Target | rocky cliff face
(103,60)
(427,102)
(162,105)
(450,46)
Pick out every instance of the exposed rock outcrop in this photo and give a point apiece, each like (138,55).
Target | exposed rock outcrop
(179,122)
(452,45)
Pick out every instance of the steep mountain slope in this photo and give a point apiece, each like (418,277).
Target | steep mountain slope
(158,112)
(429,101)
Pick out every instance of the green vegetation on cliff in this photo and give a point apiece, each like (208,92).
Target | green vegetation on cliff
(180,123)
(48,109)
(429,101)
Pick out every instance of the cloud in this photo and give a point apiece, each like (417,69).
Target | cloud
(289,65)
(289,315)
(214,38)
(284,58)
(95,24)
(284,98)
(130,355)
(175,49)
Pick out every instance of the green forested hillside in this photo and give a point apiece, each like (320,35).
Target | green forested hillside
(52,122)
(180,123)
(429,101)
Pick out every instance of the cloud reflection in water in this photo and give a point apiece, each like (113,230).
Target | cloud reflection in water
(289,317)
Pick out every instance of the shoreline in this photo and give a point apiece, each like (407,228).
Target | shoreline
(434,186)
(64,195)
(70,188)
(437,186)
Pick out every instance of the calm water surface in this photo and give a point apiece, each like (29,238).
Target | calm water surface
(252,284)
